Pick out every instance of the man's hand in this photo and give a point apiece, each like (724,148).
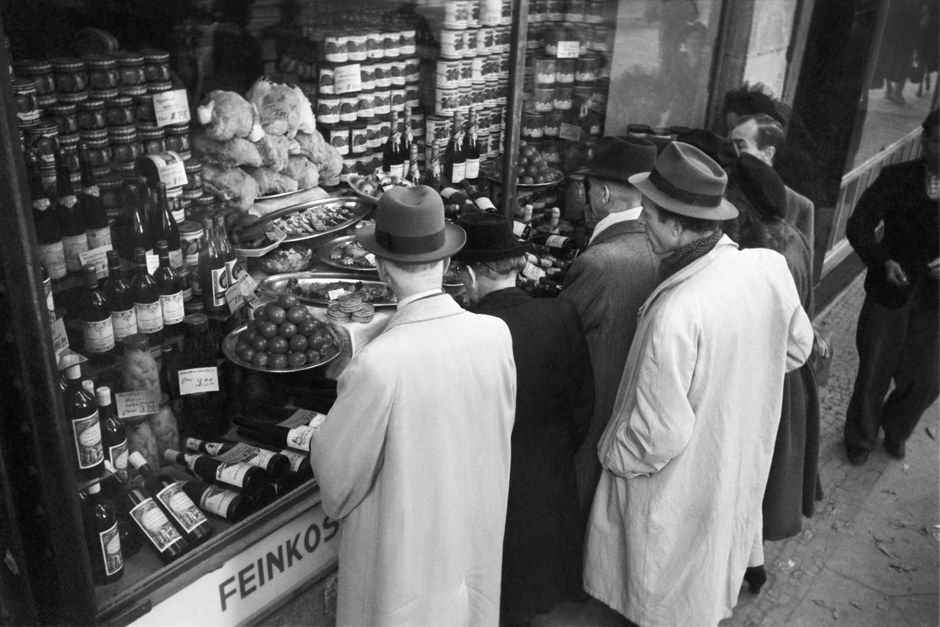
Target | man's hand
(933,268)
(895,273)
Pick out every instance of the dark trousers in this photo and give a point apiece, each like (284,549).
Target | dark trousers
(900,344)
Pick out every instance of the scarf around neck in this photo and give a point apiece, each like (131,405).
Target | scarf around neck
(684,255)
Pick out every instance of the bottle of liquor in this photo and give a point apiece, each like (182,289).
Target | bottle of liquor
(102,537)
(471,153)
(170,289)
(74,238)
(275,464)
(154,525)
(165,227)
(147,301)
(84,426)
(414,176)
(178,507)
(297,438)
(213,275)
(97,328)
(245,477)
(219,501)
(47,289)
(94,212)
(521,229)
(392,159)
(170,364)
(138,232)
(405,143)
(481,201)
(117,292)
(204,413)
(228,253)
(455,163)
(113,434)
(46,222)
(564,247)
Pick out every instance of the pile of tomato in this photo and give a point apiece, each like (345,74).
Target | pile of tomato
(284,334)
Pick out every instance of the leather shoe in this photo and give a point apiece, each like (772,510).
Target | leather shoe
(755,577)
(895,449)
(857,455)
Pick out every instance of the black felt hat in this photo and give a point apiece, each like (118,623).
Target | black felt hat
(761,185)
(619,158)
(489,238)
(720,149)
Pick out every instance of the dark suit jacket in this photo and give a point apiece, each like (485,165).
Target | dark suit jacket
(801,214)
(911,233)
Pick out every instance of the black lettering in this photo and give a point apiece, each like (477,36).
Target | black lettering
(292,551)
(260,571)
(279,562)
(224,594)
(244,581)
(316,543)
(330,524)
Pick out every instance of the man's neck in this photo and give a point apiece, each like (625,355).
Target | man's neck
(485,284)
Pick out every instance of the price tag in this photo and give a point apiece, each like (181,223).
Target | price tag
(570,131)
(99,258)
(566,50)
(301,418)
(173,174)
(370,258)
(199,380)
(247,285)
(171,107)
(347,78)
(334,294)
(138,403)
(60,341)
(234,297)
(153,262)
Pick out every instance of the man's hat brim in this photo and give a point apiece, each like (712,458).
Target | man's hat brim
(454,239)
(724,210)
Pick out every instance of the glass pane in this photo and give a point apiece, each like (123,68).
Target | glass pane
(662,59)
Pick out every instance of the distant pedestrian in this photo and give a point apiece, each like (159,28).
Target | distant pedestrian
(897,335)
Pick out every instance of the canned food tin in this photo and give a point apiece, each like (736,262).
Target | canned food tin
(374,133)
(24,97)
(483,143)
(408,43)
(477,69)
(391,41)
(502,93)
(412,70)
(564,70)
(335,47)
(383,74)
(483,120)
(385,129)
(552,125)
(503,38)
(398,99)
(504,67)
(359,138)
(383,101)
(544,98)
(349,107)
(477,93)
(417,122)
(492,88)
(545,68)
(505,17)
(327,82)
(397,74)
(338,137)
(328,109)
(375,45)
(42,138)
(473,13)
(367,75)
(466,73)
(463,99)
(437,129)
(452,44)
(532,125)
(356,46)
(564,97)
(366,107)
(445,100)
(496,141)
(456,14)
(470,42)
(486,41)
(448,73)
(412,96)
(490,12)
(349,167)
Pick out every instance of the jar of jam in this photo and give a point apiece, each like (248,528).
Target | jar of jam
(152,138)
(193,174)
(328,110)
(338,136)
(70,76)
(102,71)
(120,111)
(366,108)
(545,68)
(159,88)
(177,139)
(40,72)
(156,65)
(110,186)
(374,133)
(356,46)
(130,68)
(43,139)
(375,45)
(202,205)
(91,115)
(564,70)
(74,98)
(553,120)
(336,47)
(586,68)
(533,125)
(544,98)
(68,144)
(367,76)
(575,11)
(24,95)
(348,107)
(145,108)
(65,117)
(99,147)
(563,98)
(358,138)
(391,41)
(125,147)
(123,169)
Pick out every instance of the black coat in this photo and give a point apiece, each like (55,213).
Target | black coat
(911,233)
(542,549)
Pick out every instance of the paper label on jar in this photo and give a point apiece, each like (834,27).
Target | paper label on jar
(172,307)
(181,507)
(570,131)
(568,49)
(53,256)
(97,255)
(124,323)
(216,501)
(155,525)
(149,317)
(87,433)
(110,543)
(98,335)
(136,403)
(296,458)
(171,107)
(348,79)
(74,246)
(232,474)
(299,438)
(199,380)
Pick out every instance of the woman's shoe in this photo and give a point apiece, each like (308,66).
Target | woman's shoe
(755,577)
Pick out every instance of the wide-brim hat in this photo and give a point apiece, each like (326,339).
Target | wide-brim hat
(720,149)
(489,238)
(761,185)
(619,158)
(687,181)
(410,227)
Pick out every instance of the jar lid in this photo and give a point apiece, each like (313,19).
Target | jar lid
(95,135)
(155,55)
(91,105)
(157,88)
(99,61)
(67,64)
(177,129)
(44,128)
(66,141)
(79,96)
(120,101)
(23,85)
(124,133)
(103,94)
(125,168)
(191,193)
(101,171)
(195,322)
(132,90)
(32,66)
(136,342)
(150,131)
(96,143)
(190,227)
(128,58)
(191,165)
(110,181)
(206,200)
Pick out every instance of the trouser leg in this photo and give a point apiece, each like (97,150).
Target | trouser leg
(879,337)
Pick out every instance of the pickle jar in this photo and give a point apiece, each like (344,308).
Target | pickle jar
(120,111)
(152,138)
(91,115)
(27,107)
(40,72)
(102,72)
(124,144)
(130,68)
(177,139)
(70,76)
(156,65)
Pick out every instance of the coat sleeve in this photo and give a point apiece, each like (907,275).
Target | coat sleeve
(584,288)
(800,339)
(641,440)
(583,394)
(860,231)
(348,449)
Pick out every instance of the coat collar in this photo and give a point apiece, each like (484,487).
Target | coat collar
(438,306)
(619,228)
(501,299)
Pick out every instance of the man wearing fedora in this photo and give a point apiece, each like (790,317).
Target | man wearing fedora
(542,549)
(413,458)
(688,449)
(608,282)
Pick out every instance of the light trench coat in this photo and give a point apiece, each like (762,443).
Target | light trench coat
(688,448)
(413,459)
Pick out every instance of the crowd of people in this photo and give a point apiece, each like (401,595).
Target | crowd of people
(640,437)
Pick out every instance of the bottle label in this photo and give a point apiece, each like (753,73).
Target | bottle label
(155,525)
(219,285)
(299,438)
(519,229)
(111,550)
(181,507)
(98,237)
(98,334)
(484,203)
(532,271)
(74,245)
(149,317)
(459,172)
(68,201)
(53,255)
(214,448)
(232,474)
(296,459)
(472,169)
(124,323)
(118,455)
(216,501)
(41,204)
(556,241)
(247,454)
(176,259)
(235,271)
(397,170)
(172,307)
(87,433)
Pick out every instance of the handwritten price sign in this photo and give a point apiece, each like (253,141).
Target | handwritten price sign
(199,380)
(139,403)
(171,107)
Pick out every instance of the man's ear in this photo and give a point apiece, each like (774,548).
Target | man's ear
(606,194)
(770,151)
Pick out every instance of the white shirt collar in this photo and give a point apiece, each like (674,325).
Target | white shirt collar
(419,295)
(614,218)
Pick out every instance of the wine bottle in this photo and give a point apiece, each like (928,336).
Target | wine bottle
(232,268)
(471,153)
(84,426)
(213,275)
(204,413)
(405,143)
(245,477)
(558,244)
(155,526)
(521,229)
(117,292)
(46,222)
(178,507)
(164,227)
(147,301)
(219,501)
(47,289)
(275,464)
(170,289)
(113,434)
(455,163)
(433,172)
(481,201)
(300,467)
(95,316)
(138,233)
(297,438)
(392,159)
(74,238)
(102,537)
(95,214)
(414,176)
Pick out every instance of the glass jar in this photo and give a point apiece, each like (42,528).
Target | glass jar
(177,139)
(545,69)
(193,170)
(156,65)
(99,147)
(130,68)
(366,106)
(24,95)
(553,121)
(533,125)
(563,98)
(152,138)
(544,98)
(145,111)
(70,76)
(74,98)
(594,11)
(102,72)
(68,144)
(120,111)
(139,373)
(125,147)
(575,11)
(91,115)
(564,71)
(65,117)
(586,68)
(110,186)
(40,72)
(358,138)
(43,139)
(204,414)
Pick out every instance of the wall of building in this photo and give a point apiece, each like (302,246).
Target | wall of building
(771,30)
